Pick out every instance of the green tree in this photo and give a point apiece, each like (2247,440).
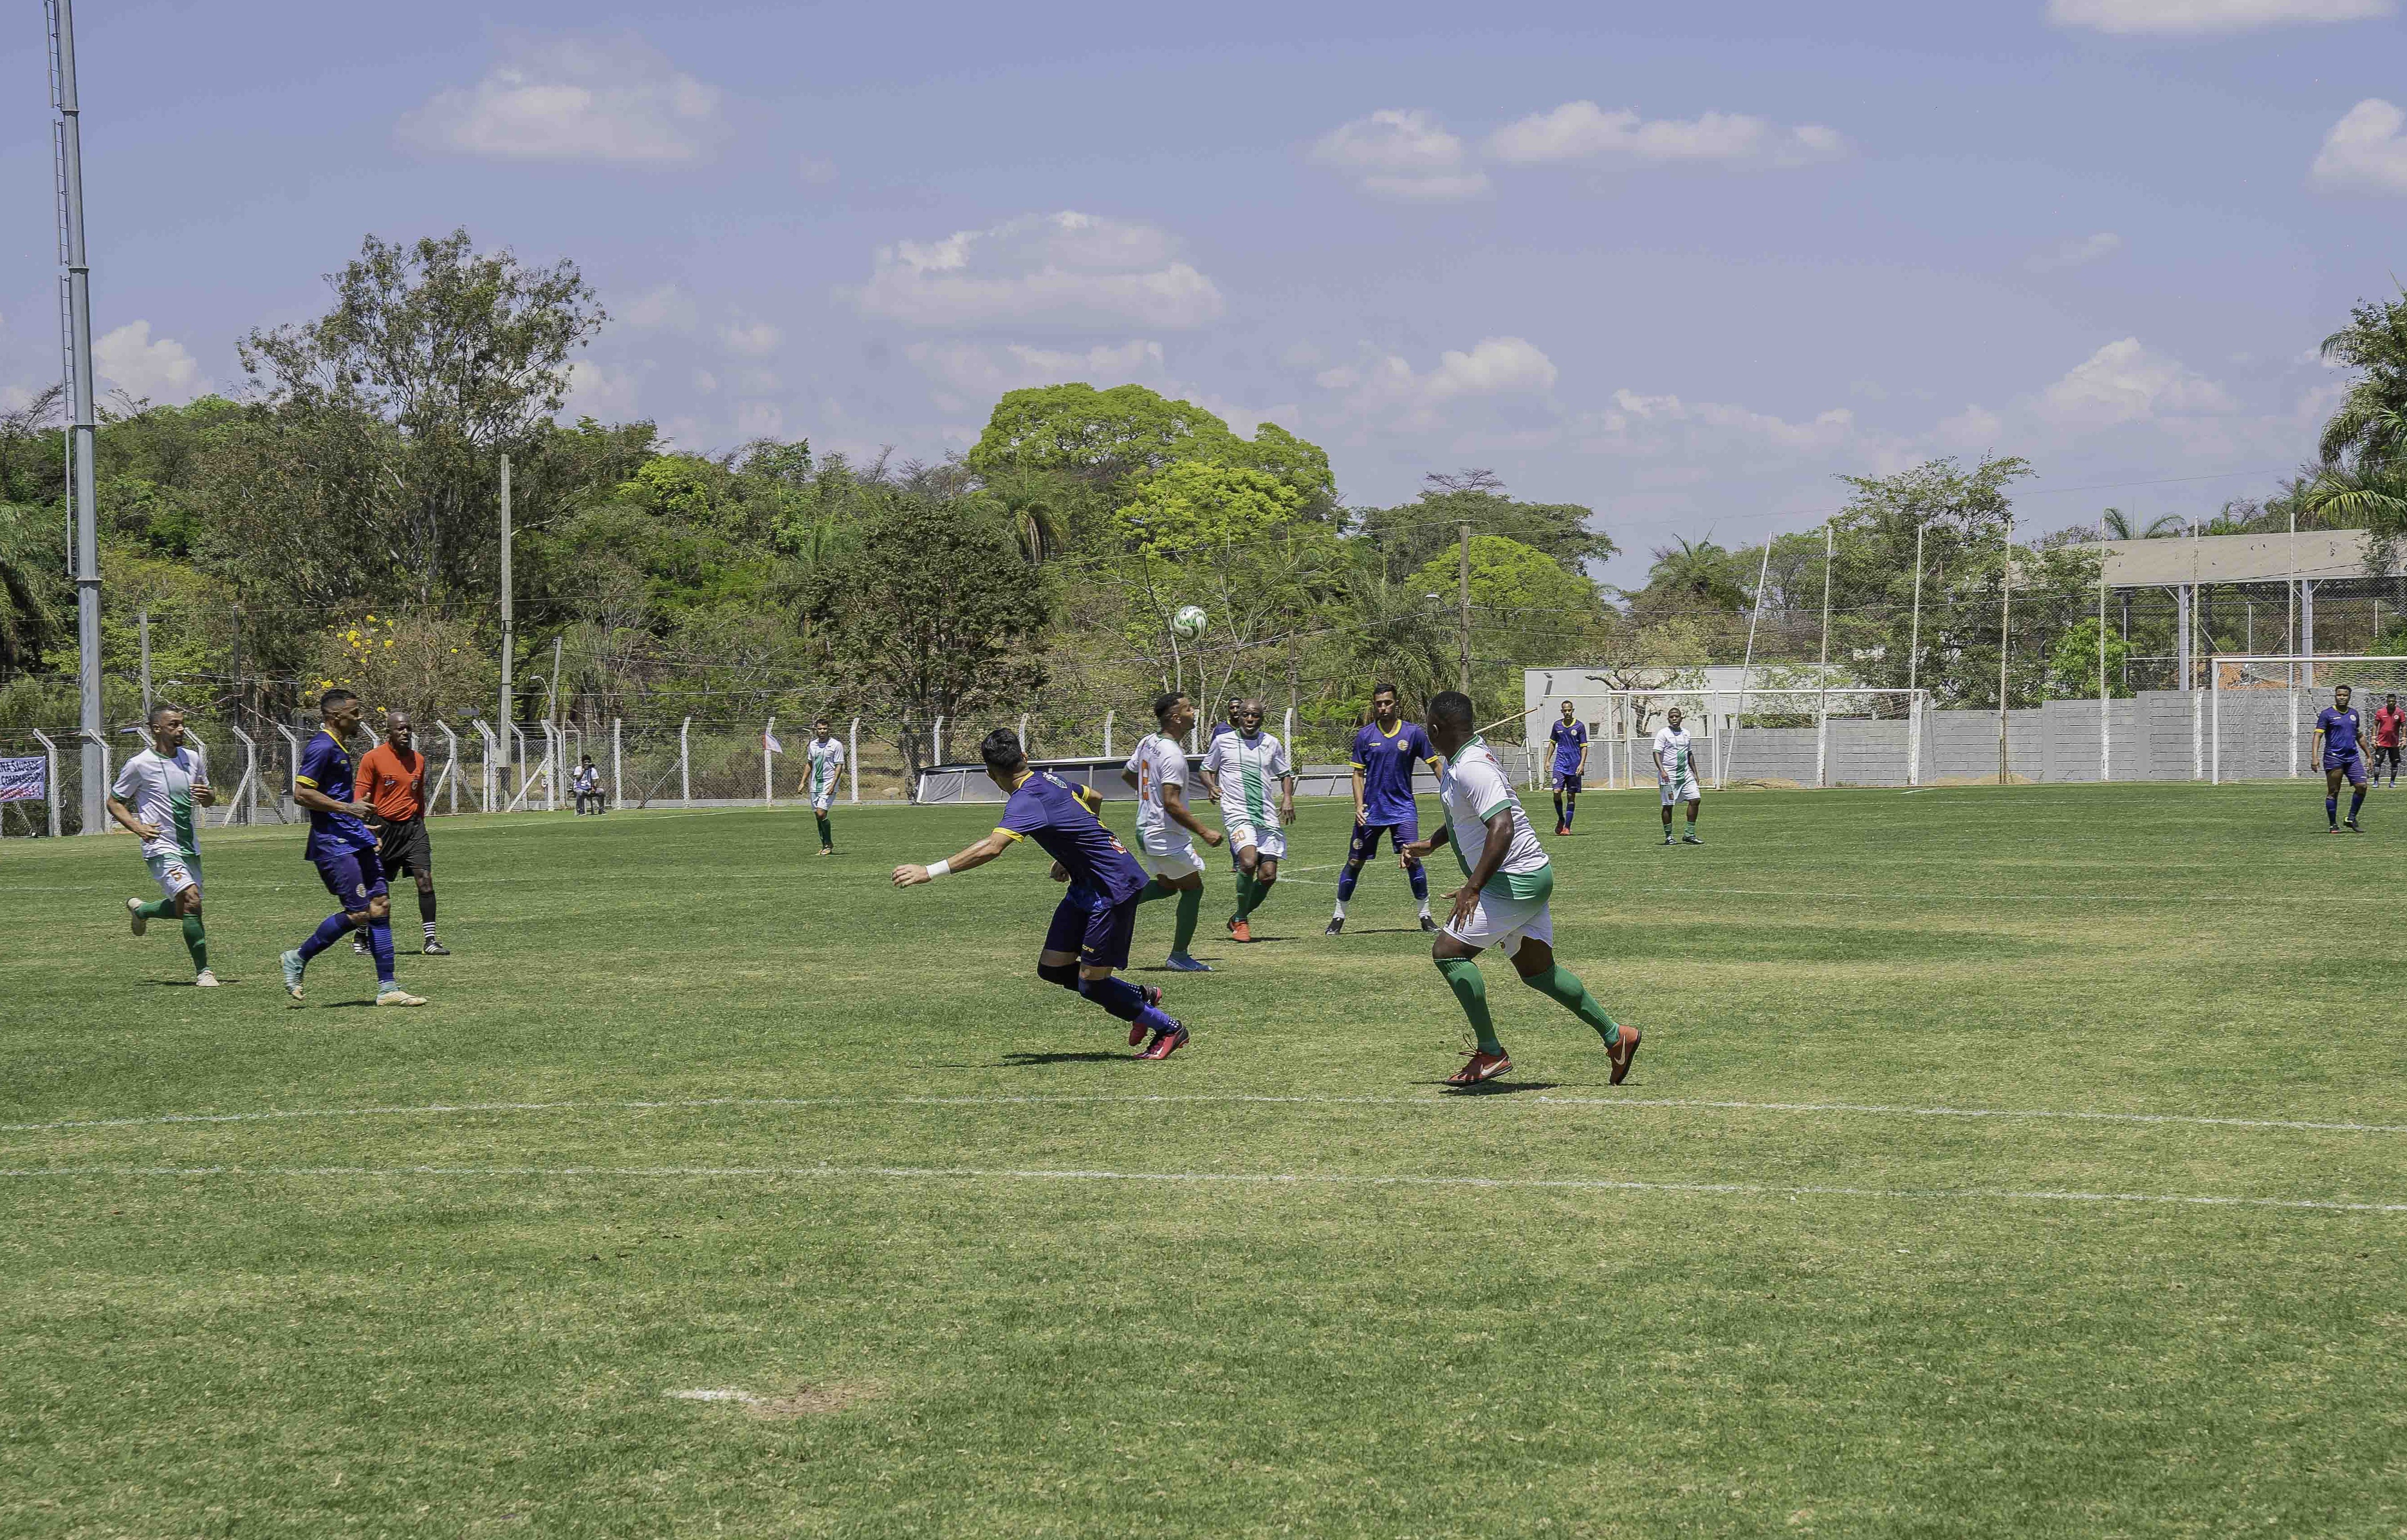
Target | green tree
(1190,507)
(2370,426)
(2072,662)
(1699,575)
(1410,534)
(1102,435)
(1525,609)
(936,616)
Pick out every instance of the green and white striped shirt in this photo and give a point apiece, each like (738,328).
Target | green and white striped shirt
(1248,770)
(1473,786)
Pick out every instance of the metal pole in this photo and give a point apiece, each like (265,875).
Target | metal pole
(451,764)
(1747,673)
(938,741)
(685,764)
(1107,732)
(83,427)
(508,708)
(2005,640)
(2105,732)
(1464,587)
(1914,646)
(50,752)
(768,769)
(617,763)
(1828,546)
(145,665)
(852,756)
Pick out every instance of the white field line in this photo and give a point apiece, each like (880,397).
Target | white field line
(1229,1098)
(963,1173)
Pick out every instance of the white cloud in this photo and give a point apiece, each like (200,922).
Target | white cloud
(599,391)
(1583,132)
(751,337)
(978,372)
(2080,253)
(158,371)
(1974,428)
(668,307)
(1388,389)
(1402,153)
(705,382)
(2365,151)
(2124,382)
(1663,425)
(760,419)
(2191,18)
(616,100)
(1082,271)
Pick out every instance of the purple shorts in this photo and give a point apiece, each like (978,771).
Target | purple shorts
(2350,763)
(1400,834)
(1094,928)
(353,876)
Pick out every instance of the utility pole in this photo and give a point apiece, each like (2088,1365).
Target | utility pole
(2005,640)
(1463,531)
(83,427)
(509,639)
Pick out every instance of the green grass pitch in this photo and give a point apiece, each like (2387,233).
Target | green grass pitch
(694,1110)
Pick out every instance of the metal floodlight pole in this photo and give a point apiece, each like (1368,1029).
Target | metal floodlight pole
(83,427)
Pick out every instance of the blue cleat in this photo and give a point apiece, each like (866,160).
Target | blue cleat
(1180,962)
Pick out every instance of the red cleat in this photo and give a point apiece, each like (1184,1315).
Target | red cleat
(1481,1067)
(1240,931)
(1166,1043)
(1622,1055)
(1153,997)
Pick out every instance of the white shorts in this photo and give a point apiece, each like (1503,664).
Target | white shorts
(175,873)
(820,805)
(1684,790)
(1267,842)
(1503,922)
(1169,854)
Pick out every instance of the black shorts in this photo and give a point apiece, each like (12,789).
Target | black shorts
(401,846)
(2389,750)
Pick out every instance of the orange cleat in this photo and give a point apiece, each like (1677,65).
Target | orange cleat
(1480,1066)
(1239,930)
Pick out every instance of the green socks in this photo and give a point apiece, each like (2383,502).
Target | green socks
(827,836)
(1190,908)
(158,909)
(1248,895)
(1157,888)
(196,942)
(1470,993)
(1562,986)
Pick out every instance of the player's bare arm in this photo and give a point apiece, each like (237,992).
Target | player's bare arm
(318,802)
(1287,799)
(1173,802)
(135,827)
(977,854)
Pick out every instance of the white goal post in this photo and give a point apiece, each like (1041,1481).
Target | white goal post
(2261,719)
(1814,736)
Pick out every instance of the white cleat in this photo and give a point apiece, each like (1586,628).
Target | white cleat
(398,997)
(292,966)
(204,980)
(133,913)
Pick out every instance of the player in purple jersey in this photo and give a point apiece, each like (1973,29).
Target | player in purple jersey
(1385,751)
(2340,748)
(1089,939)
(344,850)
(1570,738)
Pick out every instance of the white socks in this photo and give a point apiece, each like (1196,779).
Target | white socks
(1340,911)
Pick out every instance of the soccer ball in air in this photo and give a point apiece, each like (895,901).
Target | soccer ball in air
(1188,623)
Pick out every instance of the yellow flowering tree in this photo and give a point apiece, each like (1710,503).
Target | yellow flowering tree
(431,668)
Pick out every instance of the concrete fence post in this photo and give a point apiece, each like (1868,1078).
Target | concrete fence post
(852,756)
(50,778)
(768,769)
(685,764)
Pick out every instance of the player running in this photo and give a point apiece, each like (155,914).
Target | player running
(1502,902)
(1238,769)
(1675,772)
(1570,763)
(393,783)
(1158,771)
(1092,926)
(152,799)
(344,850)
(2340,750)
(2387,720)
(824,759)
(1385,751)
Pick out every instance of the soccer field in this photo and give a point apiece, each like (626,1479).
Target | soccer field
(2018,1161)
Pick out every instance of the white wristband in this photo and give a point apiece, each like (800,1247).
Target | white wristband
(937,869)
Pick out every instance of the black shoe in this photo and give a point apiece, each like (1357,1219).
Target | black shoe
(435,949)
(1428,924)
(1336,926)
(2351,826)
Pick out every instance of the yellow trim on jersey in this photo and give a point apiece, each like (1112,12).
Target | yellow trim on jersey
(1009,834)
(304,780)
(1384,732)
(1359,765)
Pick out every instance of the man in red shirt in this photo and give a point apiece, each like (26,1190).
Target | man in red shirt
(393,783)
(2387,723)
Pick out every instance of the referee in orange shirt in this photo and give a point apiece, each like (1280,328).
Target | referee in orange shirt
(393,783)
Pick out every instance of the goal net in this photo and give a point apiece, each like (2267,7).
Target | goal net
(2261,711)
(1810,737)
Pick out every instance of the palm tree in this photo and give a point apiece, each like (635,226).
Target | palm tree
(2115,524)
(2371,423)
(1698,573)
(28,551)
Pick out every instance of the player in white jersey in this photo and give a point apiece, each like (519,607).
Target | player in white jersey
(153,799)
(1675,772)
(1239,771)
(822,762)
(1504,901)
(1158,771)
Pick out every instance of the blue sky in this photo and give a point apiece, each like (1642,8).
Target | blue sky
(1681,263)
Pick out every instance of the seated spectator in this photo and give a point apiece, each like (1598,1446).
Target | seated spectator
(586,785)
